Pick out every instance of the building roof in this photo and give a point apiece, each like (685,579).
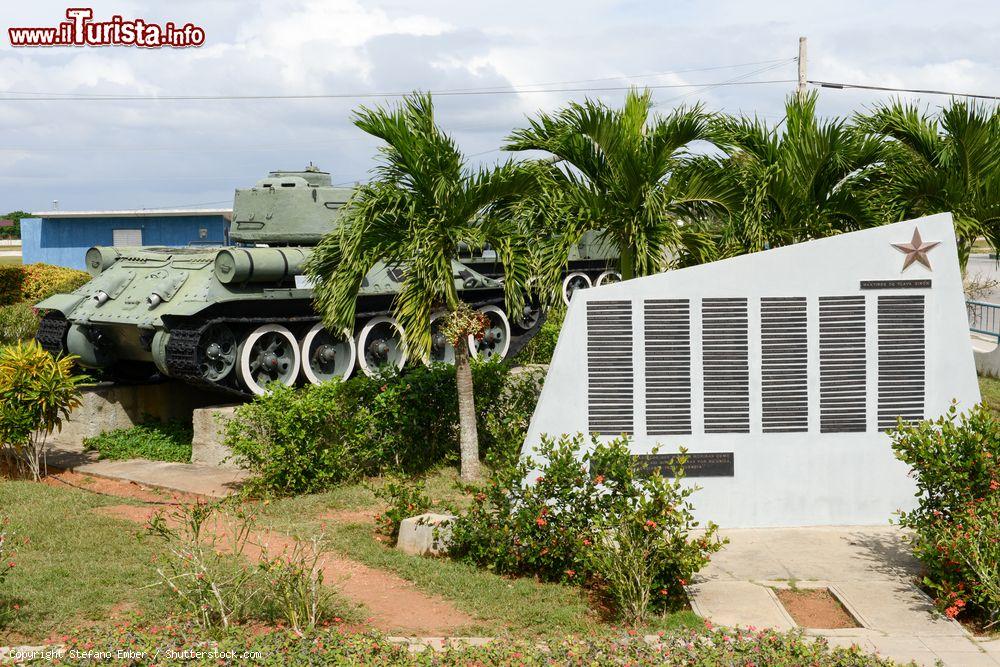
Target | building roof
(137,213)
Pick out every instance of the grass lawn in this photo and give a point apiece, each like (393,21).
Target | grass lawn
(77,566)
(10,259)
(990,389)
(524,606)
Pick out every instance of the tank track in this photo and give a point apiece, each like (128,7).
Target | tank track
(182,346)
(51,333)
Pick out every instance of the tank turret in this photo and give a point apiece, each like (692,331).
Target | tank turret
(287,208)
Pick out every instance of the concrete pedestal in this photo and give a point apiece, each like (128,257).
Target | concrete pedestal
(207,446)
(107,406)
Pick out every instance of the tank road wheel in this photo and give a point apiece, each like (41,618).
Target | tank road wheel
(496,338)
(608,277)
(216,352)
(380,343)
(572,283)
(530,315)
(326,356)
(269,354)
(442,351)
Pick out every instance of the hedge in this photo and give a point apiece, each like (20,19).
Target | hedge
(35,282)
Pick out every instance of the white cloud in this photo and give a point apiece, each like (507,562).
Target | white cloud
(125,154)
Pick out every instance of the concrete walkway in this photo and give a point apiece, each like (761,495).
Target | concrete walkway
(869,569)
(203,480)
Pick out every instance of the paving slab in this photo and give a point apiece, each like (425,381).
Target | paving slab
(905,650)
(739,603)
(868,568)
(898,608)
(204,480)
(852,553)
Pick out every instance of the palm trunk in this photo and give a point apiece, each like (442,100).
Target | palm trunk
(468,433)
(627,261)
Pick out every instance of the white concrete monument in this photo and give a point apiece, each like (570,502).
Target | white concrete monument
(779,371)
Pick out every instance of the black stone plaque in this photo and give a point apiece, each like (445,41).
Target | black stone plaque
(698,464)
(895,284)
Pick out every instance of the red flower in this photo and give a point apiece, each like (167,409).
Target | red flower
(599,479)
(540,521)
(951,612)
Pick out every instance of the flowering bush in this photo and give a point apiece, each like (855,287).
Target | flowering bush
(405,499)
(129,644)
(577,519)
(955,535)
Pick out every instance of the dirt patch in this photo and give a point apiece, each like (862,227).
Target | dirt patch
(815,608)
(395,604)
(117,488)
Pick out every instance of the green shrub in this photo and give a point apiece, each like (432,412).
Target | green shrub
(340,645)
(954,460)
(405,499)
(540,348)
(32,283)
(11,283)
(220,575)
(153,440)
(18,322)
(43,280)
(305,440)
(561,526)
(37,393)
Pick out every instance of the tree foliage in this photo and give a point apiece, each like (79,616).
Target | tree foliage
(945,162)
(423,204)
(618,172)
(803,179)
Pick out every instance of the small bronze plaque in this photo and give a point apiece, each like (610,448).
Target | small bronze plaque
(895,284)
(698,464)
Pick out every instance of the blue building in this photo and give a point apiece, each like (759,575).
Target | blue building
(63,237)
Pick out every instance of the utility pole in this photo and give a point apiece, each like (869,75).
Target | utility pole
(801,90)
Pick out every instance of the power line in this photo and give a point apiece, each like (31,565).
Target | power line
(735,81)
(633,76)
(888,89)
(480,89)
(442,93)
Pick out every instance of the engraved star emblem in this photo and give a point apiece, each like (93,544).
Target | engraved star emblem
(916,250)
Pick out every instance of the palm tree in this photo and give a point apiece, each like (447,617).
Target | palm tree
(804,179)
(949,162)
(423,203)
(611,172)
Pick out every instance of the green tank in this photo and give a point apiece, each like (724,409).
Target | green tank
(240,317)
(591,262)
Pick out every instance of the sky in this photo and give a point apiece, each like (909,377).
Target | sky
(91,154)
